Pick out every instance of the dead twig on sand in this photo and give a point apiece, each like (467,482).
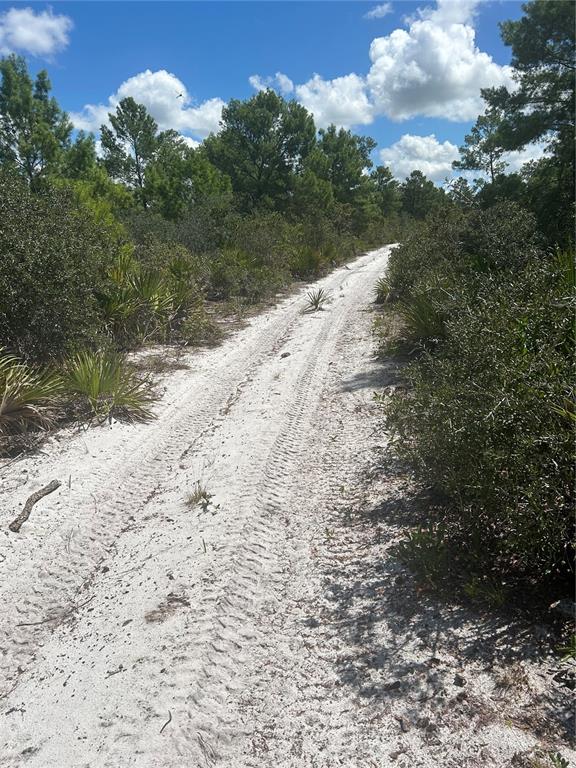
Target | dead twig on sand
(167,721)
(59,617)
(16,524)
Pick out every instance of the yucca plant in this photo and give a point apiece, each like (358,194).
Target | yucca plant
(103,386)
(27,395)
(316,299)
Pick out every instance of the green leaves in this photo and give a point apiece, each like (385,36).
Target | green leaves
(482,150)
(130,145)
(316,299)
(262,146)
(34,131)
(488,418)
(53,256)
(27,395)
(541,108)
(103,387)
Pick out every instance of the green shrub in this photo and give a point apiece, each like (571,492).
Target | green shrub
(451,247)
(426,554)
(147,299)
(306,262)
(381,290)
(101,386)
(487,420)
(236,273)
(27,395)
(422,320)
(199,328)
(53,257)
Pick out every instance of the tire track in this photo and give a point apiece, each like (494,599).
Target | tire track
(211,726)
(208,656)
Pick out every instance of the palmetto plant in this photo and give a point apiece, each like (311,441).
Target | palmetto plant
(105,387)
(381,290)
(316,299)
(141,303)
(421,319)
(27,395)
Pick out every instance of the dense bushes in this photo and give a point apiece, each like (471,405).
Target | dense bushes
(488,417)
(52,261)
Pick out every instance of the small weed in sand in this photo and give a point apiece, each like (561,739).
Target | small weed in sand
(485,590)
(239,306)
(557,761)
(316,299)
(199,496)
(513,677)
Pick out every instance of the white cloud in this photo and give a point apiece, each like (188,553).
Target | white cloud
(421,153)
(342,101)
(379,11)
(260,83)
(284,83)
(434,158)
(190,142)
(434,68)
(40,34)
(450,12)
(167,100)
(519,157)
(280,82)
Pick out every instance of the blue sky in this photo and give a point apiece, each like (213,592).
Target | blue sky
(406,73)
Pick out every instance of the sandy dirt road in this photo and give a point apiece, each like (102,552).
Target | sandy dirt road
(136,630)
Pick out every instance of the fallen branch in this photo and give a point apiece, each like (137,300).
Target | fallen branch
(16,524)
(167,721)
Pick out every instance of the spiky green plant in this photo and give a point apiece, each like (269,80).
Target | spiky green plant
(381,290)
(124,266)
(568,650)
(316,299)
(422,321)
(27,395)
(103,386)
(199,496)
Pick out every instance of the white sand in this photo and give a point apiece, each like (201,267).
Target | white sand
(270,629)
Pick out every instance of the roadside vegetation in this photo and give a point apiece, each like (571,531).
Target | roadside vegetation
(479,303)
(151,241)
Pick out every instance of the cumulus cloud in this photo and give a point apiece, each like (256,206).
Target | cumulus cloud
(433,68)
(421,153)
(167,100)
(434,158)
(40,34)
(342,101)
(520,157)
(280,82)
(379,11)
